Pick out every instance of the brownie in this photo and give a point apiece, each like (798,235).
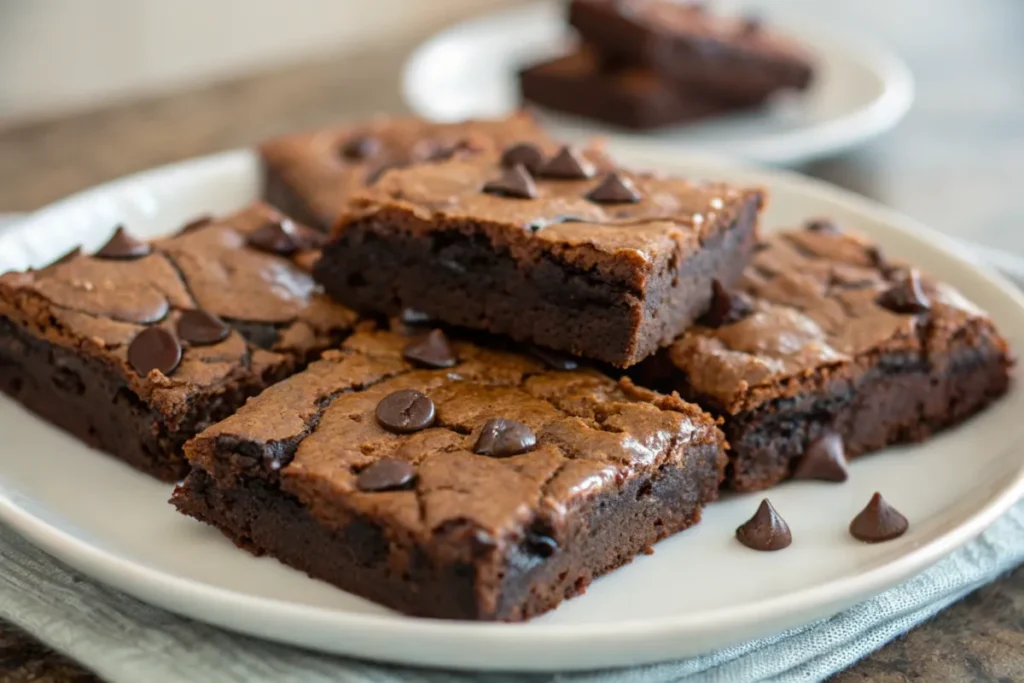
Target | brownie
(311,175)
(828,348)
(140,346)
(450,480)
(606,265)
(732,58)
(632,97)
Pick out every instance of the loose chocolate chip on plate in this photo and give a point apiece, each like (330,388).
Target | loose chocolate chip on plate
(154,348)
(524,153)
(361,147)
(123,246)
(501,438)
(766,530)
(614,189)
(906,296)
(387,474)
(554,359)
(431,351)
(568,164)
(201,328)
(823,459)
(725,308)
(284,237)
(878,522)
(405,412)
(514,182)
(196,223)
(825,226)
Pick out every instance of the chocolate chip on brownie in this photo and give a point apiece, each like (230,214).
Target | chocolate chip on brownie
(726,308)
(431,351)
(123,246)
(527,154)
(387,474)
(154,348)
(514,182)
(568,164)
(906,296)
(202,327)
(501,438)
(614,189)
(406,411)
(361,147)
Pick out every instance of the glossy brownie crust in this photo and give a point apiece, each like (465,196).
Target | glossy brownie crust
(470,534)
(613,288)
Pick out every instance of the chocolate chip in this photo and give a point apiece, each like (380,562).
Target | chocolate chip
(431,351)
(823,459)
(154,349)
(284,237)
(568,164)
(614,189)
(878,522)
(542,546)
(553,359)
(196,223)
(501,438)
(201,328)
(529,156)
(514,182)
(405,412)
(725,308)
(123,246)
(387,474)
(906,296)
(766,530)
(361,147)
(825,226)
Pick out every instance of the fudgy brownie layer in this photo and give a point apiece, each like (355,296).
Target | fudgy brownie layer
(461,279)
(94,403)
(604,533)
(904,399)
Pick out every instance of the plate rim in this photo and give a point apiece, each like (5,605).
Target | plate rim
(786,148)
(176,594)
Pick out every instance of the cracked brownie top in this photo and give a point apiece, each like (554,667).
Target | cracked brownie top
(221,301)
(430,436)
(817,304)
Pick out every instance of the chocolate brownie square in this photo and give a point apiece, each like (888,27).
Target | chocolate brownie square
(311,175)
(138,347)
(450,480)
(828,351)
(546,249)
(737,59)
(632,97)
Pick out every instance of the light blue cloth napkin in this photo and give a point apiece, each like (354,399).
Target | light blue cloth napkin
(124,640)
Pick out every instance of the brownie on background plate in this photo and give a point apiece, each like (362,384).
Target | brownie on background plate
(828,350)
(446,479)
(734,59)
(136,348)
(559,250)
(311,175)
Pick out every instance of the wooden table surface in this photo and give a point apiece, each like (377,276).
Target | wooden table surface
(956,163)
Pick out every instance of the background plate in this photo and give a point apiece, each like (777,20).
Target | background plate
(861,90)
(700,590)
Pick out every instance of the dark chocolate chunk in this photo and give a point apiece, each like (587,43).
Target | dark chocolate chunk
(568,164)
(878,522)
(501,438)
(826,226)
(614,189)
(514,182)
(196,223)
(725,308)
(201,328)
(405,412)
(554,359)
(154,348)
(823,459)
(431,351)
(361,147)
(906,296)
(766,530)
(284,238)
(123,246)
(525,154)
(387,474)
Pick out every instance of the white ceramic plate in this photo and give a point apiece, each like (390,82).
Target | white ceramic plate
(700,590)
(861,89)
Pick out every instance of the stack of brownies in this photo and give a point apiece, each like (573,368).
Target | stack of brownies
(651,63)
(462,370)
